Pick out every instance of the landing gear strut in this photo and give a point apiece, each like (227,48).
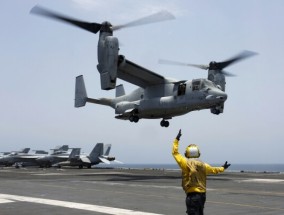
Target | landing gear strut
(164,123)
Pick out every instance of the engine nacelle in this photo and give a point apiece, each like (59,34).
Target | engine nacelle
(108,48)
(218,78)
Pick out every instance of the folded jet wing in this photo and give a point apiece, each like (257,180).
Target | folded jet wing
(137,75)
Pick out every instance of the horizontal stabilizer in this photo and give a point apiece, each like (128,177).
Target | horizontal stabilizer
(104,160)
(85,160)
(118,161)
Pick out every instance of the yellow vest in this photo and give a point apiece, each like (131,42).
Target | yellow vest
(194,171)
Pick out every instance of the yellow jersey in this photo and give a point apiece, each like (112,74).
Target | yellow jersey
(194,171)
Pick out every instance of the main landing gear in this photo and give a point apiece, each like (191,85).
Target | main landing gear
(164,123)
(134,118)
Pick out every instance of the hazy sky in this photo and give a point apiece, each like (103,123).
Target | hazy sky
(40,59)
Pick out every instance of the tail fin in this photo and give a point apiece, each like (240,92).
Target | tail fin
(42,152)
(81,95)
(25,150)
(80,92)
(107,148)
(97,151)
(119,91)
(63,148)
(74,153)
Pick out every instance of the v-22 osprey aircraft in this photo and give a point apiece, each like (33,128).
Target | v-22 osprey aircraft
(157,97)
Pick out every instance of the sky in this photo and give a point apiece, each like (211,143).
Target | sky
(40,59)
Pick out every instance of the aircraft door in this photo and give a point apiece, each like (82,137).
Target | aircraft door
(181,89)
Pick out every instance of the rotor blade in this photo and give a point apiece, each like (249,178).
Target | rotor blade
(243,55)
(228,74)
(92,27)
(170,62)
(156,17)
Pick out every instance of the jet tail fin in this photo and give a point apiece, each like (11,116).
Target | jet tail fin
(25,150)
(107,148)
(97,150)
(74,153)
(80,92)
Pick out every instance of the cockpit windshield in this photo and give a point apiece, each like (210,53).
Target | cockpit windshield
(199,84)
(196,85)
(208,83)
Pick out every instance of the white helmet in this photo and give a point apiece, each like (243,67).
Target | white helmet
(192,151)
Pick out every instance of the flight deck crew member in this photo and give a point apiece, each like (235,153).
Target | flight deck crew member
(194,174)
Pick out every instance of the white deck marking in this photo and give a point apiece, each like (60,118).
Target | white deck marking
(136,185)
(74,205)
(262,180)
(5,201)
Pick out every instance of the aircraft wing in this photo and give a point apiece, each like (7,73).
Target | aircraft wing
(135,74)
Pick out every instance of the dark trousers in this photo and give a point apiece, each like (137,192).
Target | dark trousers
(195,203)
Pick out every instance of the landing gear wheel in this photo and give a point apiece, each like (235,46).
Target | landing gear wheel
(131,118)
(215,111)
(164,123)
(134,119)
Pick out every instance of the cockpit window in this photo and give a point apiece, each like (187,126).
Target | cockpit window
(202,84)
(209,83)
(195,85)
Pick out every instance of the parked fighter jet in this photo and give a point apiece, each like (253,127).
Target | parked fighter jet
(59,154)
(99,154)
(10,158)
(29,159)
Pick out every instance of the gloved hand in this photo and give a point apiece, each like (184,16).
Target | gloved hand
(179,135)
(226,165)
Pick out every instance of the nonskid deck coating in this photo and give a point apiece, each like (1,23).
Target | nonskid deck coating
(133,191)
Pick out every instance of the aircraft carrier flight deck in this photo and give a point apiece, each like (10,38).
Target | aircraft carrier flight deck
(98,191)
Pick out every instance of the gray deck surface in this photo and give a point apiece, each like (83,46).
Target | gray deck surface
(29,191)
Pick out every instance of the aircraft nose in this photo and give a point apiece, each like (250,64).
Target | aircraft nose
(217,95)
(222,96)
